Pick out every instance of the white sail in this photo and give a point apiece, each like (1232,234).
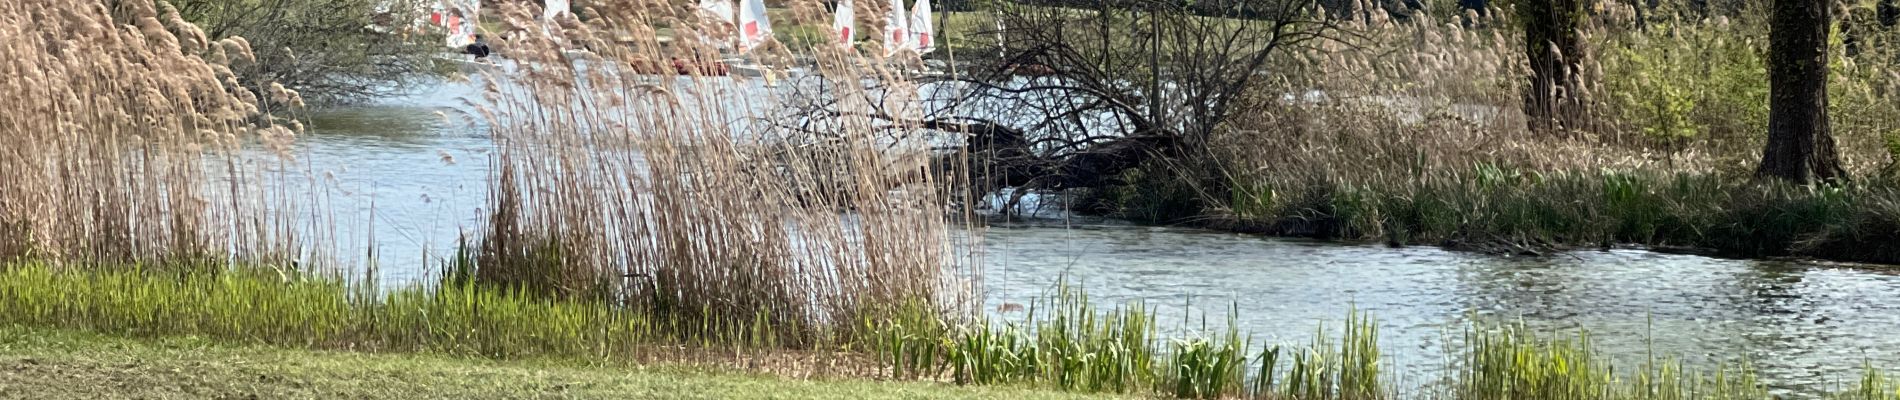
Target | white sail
(463,17)
(844,24)
(720,16)
(896,29)
(720,10)
(438,14)
(921,29)
(554,9)
(754,27)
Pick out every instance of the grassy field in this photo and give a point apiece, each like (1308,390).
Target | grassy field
(58,364)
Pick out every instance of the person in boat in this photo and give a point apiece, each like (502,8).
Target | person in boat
(479,49)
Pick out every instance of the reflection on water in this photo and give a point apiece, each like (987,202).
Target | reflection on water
(404,179)
(1805,326)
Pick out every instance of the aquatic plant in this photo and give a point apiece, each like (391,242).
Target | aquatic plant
(124,136)
(1873,385)
(1510,362)
(685,195)
(1543,210)
(1071,346)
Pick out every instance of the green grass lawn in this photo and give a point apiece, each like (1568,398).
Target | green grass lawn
(56,364)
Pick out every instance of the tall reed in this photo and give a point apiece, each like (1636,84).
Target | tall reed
(688,196)
(121,134)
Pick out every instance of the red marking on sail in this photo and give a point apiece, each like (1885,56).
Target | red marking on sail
(752,30)
(844,34)
(923,40)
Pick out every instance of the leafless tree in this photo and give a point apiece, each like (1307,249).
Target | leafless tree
(1071,97)
(329,50)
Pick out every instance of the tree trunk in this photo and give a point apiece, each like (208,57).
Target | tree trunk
(1800,149)
(1551,43)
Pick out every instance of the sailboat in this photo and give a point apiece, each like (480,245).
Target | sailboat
(921,29)
(896,29)
(741,31)
(755,29)
(911,34)
(722,11)
(554,8)
(842,24)
(459,19)
(551,13)
(754,26)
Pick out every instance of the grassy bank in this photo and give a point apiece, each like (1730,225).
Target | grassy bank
(521,346)
(62,364)
(1419,139)
(1493,208)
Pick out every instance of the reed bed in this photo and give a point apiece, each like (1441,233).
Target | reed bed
(678,196)
(1663,91)
(121,138)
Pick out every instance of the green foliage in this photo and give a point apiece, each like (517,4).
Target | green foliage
(1347,371)
(1207,368)
(262,306)
(1155,193)
(1862,90)
(1494,205)
(1513,363)
(1873,385)
(1706,79)
(803,37)
(1076,347)
(61,364)
(1684,80)
(1065,343)
(910,339)
(328,50)
(1892,141)
(1073,346)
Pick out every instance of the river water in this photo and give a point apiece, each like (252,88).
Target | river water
(402,171)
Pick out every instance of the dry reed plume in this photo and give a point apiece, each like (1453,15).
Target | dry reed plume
(1425,96)
(674,195)
(1413,132)
(121,132)
(1434,97)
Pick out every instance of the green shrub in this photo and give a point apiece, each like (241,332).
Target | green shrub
(1688,80)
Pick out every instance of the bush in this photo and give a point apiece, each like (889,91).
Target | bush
(328,50)
(1678,81)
